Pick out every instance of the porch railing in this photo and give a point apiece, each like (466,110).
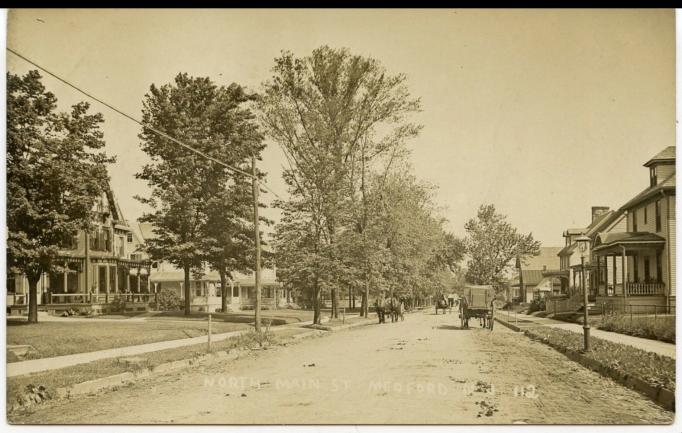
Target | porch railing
(99,298)
(635,289)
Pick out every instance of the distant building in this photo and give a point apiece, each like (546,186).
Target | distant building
(205,288)
(535,283)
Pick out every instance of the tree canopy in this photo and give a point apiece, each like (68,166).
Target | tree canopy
(56,169)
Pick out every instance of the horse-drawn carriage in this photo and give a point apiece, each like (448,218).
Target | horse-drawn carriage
(478,301)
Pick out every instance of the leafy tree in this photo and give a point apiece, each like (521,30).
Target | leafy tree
(186,188)
(492,244)
(55,172)
(320,109)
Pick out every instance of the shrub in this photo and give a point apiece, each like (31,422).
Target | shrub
(118,304)
(536,305)
(169,301)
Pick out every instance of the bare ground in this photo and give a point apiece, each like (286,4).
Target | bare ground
(424,370)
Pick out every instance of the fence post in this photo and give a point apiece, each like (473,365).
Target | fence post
(209,333)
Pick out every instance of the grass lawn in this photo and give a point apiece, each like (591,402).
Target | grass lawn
(649,366)
(653,327)
(52,380)
(276,317)
(64,338)
(647,326)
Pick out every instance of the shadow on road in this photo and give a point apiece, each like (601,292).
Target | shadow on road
(452,328)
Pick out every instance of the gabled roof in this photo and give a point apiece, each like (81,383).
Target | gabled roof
(666,155)
(146,230)
(531,277)
(667,185)
(546,259)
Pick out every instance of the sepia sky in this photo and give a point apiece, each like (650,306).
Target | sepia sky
(543,113)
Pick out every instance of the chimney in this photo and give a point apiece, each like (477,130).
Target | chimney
(598,211)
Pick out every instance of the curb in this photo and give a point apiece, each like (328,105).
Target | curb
(508,325)
(342,327)
(662,396)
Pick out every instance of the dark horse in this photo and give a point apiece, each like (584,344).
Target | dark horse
(443,304)
(395,309)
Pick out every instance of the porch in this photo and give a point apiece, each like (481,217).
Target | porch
(628,264)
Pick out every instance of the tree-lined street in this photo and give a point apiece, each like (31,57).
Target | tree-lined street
(423,370)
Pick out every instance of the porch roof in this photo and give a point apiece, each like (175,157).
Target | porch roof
(613,242)
(555,273)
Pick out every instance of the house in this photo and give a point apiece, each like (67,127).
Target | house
(636,265)
(572,258)
(97,267)
(205,286)
(535,283)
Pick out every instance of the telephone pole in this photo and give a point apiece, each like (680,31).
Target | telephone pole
(254,187)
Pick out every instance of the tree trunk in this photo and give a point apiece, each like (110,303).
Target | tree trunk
(335,303)
(33,299)
(223,291)
(188,293)
(365,301)
(316,305)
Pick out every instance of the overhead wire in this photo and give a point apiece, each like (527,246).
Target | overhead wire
(144,125)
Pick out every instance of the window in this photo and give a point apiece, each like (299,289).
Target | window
(634,220)
(645,214)
(652,176)
(130,236)
(658,215)
(11,284)
(659,268)
(647,273)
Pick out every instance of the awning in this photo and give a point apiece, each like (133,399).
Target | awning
(613,243)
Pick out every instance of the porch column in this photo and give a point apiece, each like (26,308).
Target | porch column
(66,278)
(116,277)
(598,273)
(149,280)
(615,274)
(106,273)
(128,280)
(624,272)
(229,299)
(138,280)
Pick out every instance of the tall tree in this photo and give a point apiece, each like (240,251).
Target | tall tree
(492,245)
(320,109)
(185,187)
(55,172)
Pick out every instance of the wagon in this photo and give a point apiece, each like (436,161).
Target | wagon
(477,301)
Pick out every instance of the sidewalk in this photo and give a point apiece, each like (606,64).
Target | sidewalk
(45,364)
(523,321)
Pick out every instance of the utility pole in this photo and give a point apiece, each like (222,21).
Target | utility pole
(254,187)
(522,289)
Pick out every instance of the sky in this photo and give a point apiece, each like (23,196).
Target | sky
(543,113)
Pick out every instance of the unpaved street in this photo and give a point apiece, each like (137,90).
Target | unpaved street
(422,370)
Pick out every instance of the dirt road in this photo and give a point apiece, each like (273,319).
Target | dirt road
(423,370)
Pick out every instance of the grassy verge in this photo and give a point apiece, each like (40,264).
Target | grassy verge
(65,338)
(660,328)
(651,367)
(655,328)
(64,377)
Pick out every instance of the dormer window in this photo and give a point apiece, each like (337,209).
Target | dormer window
(652,176)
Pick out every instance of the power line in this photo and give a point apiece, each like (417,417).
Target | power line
(151,128)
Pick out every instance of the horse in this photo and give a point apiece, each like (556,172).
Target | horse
(395,309)
(443,304)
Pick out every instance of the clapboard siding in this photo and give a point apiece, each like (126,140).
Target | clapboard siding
(671,242)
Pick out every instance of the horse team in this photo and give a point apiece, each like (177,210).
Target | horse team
(392,306)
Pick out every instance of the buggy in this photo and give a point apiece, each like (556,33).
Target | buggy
(478,301)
